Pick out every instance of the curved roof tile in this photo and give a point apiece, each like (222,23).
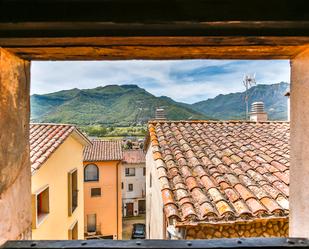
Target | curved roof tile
(218,170)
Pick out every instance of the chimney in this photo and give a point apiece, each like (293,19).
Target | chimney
(257,113)
(160,114)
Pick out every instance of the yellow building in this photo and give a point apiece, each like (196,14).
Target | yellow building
(56,154)
(102,189)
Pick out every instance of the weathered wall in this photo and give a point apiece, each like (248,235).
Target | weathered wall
(105,206)
(15,197)
(265,228)
(139,188)
(154,203)
(299,184)
(138,181)
(54,173)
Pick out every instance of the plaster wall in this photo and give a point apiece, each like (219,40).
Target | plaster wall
(139,187)
(54,173)
(107,207)
(138,182)
(155,227)
(15,191)
(299,184)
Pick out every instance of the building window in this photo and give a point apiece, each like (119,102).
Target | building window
(121,185)
(141,206)
(40,206)
(91,173)
(73,191)
(130,171)
(95,192)
(150,180)
(130,187)
(73,231)
(91,223)
(144,171)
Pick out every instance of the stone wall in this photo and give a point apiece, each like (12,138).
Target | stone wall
(263,228)
(15,176)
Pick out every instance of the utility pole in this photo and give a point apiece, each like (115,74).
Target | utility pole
(249,80)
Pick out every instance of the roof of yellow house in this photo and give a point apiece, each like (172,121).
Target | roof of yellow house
(46,138)
(103,150)
(222,171)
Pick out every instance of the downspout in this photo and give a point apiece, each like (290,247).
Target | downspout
(117,202)
(175,233)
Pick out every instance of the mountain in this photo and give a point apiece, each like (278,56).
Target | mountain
(111,105)
(232,106)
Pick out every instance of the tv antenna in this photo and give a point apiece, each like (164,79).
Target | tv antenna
(249,81)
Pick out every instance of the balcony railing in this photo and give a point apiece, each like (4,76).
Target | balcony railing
(255,243)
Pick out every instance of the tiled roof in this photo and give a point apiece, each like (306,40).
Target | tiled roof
(102,150)
(133,156)
(221,171)
(45,139)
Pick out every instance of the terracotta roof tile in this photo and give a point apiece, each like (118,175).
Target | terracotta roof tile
(214,170)
(45,139)
(134,156)
(102,150)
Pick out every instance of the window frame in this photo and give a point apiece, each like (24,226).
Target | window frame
(87,223)
(128,173)
(130,190)
(93,196)
(71,230)
(98,173)
(36,220)
(71,208)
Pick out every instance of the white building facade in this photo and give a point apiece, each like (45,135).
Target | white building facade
(133,183)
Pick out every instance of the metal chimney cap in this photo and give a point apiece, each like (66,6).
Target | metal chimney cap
(160,114)
(257,107)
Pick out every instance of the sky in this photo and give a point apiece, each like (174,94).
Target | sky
(187,81)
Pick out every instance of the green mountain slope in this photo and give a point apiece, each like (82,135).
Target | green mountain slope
(111,105)
(232,106)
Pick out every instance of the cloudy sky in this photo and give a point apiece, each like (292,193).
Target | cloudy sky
(186,80)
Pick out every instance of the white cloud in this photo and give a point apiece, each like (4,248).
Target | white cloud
(184,80)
